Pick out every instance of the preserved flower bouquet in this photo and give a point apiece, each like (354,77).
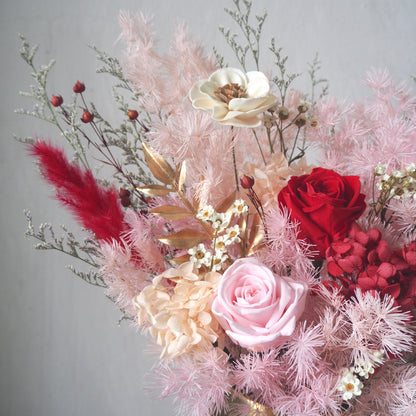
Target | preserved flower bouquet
(269,285)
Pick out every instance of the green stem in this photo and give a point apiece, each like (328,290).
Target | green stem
(293,148)
(270,141)
(234,161)
(258,144)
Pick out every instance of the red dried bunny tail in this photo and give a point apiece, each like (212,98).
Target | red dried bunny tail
(96,207)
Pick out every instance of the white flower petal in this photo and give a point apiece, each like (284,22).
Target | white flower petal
(219,113)
(209,89)
(258,84)
(226,76)
(246,104)
(250,122)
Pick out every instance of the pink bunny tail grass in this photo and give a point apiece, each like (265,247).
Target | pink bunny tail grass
(141,237)
(122,276)
(375,324)
(284,249)
(303,353)
(392,391)
(404,211)
(316,399)
(145,67)
(200,384)
(259,374)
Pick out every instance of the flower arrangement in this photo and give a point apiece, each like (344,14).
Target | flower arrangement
(267,284)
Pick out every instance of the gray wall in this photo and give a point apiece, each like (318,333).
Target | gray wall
(61,351)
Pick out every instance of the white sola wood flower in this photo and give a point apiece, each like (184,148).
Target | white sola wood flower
(233,97)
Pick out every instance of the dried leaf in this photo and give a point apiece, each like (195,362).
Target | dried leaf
(196,202)
(158,165)
(171,212)
(255,248)
(226,203)
(154,190)
(181,174)
(243,226)
(256,235)
(186,238)
(181,259)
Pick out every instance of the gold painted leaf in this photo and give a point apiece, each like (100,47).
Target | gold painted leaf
(186,238)
(181,259)
(171,212)
(154,190)
(158,165)
(256,247)
(256,236)
(226,203)
(196,202)
(181,174)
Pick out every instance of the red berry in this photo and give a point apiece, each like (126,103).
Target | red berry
(133,114)
(124,193)
(87,117)
(79,87)
(56,100)
(125,201)
(247,182)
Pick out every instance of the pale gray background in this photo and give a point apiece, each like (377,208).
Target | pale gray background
(62,352)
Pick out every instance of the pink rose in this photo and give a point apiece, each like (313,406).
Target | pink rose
(257,309)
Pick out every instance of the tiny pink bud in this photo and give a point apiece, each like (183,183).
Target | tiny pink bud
(79,87)
(87,117)
(247,182)
(57,100)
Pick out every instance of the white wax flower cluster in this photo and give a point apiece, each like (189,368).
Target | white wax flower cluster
(399,184)
(216,258)
(350,384)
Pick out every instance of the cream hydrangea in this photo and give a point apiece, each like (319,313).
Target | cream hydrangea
(176,309)
(270,179)
(233,97)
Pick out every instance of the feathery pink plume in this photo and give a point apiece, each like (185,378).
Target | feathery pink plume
(97,208)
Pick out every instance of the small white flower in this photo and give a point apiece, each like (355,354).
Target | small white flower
(350,385)
(218,261)
(220,221)
(380,169)
(200,256)
(206,213)
(233,234)
(240,207)
(220,243)
(363,369)
(397,174)
(411,168)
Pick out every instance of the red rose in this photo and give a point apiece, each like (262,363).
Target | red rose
(324,204)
